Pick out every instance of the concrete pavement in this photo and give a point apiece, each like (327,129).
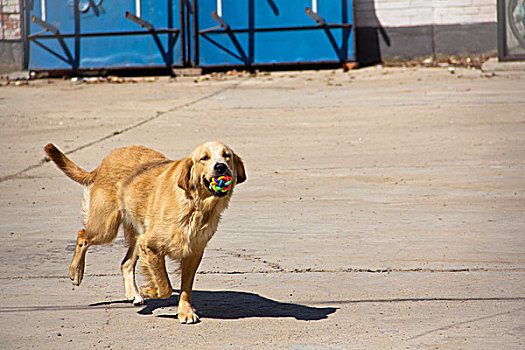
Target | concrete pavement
(383,209)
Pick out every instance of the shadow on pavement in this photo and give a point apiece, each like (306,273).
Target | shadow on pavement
(231,305)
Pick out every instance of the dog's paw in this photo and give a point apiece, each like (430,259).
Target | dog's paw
(188,317)
(76,274)
(133,295)
(137,300)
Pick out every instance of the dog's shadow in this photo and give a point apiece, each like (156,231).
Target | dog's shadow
(232,305)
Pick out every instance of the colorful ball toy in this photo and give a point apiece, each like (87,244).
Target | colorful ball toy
(221,184)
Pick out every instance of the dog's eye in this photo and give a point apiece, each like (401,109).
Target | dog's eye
(205,158)
(226,155)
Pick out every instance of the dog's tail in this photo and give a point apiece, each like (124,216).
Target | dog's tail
(73,171)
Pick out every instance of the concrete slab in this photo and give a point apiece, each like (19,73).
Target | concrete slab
(494,65)
(383,209)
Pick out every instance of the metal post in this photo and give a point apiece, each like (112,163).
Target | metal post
(43,9)
(169,52)
(195,10)
(251,34)
(76,58)
(26,27)
(182,25)
(219,8)
(345,31)
(502,34)
(138,8)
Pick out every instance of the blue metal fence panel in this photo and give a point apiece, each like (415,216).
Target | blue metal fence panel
(276,30)
(103,42)
(151,33)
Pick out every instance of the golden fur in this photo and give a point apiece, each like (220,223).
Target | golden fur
(164,206)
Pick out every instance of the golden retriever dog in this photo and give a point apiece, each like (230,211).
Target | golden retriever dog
(166,208)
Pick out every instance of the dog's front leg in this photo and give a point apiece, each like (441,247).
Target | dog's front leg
(189,268)
(154,265)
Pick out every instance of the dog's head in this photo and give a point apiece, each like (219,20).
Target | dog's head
(208,163)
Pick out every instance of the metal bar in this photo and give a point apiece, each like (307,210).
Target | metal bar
(189,33)
(174,41)
(169,52)
(273,6)
(502,34)
(105,34)
(94,7)
(222,47)
(138,8)
(321,21)
(346,32)
(172,47)
(43,10)
(251,33)
(336,47)
(37,34)
(145,24)
(51,51)
(219,7)
(344,9)
(315,16)
(195,12)
(214,30)
(221,21)
(344,47)
(182,24)
(57,35)
(25,31)
(161,48)
(45,25)
(76,12)
(233,39)
(139,21)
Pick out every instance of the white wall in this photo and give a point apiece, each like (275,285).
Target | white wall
(406,13)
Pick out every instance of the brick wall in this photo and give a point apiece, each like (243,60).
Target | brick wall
(407,13)
(10,23)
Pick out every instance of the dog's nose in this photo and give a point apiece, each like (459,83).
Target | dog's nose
(220,168)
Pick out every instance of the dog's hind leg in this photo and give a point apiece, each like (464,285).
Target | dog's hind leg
(76,269)
(102,226)
(128,267)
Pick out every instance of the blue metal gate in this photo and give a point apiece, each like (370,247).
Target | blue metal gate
(250,32)
(104,34)
(98,34)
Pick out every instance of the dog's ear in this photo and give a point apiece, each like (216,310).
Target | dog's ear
(239,166)
(185,175)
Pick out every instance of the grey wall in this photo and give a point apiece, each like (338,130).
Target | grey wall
(10,55)
(375,44)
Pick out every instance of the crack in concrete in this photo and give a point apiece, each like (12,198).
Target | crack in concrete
(275,266)
(292,271)
(124,130)
(474,320)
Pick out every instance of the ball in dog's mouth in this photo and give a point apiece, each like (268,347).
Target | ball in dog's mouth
(220,185)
